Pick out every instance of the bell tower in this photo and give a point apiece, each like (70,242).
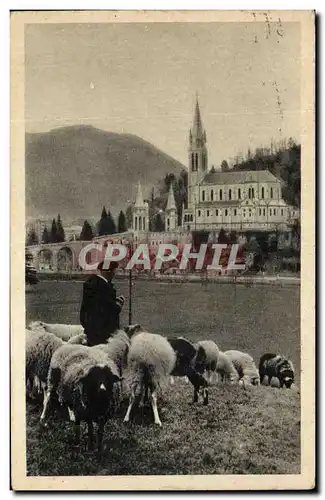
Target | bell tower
(197,156)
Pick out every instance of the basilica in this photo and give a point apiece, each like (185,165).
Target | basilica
(233,200)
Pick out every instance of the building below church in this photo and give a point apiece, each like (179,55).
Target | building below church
(238,201)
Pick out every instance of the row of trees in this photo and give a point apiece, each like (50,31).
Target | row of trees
(281,158)
(106,225)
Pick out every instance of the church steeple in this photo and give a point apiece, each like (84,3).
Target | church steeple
(171,205)
(139,198)
(197,154)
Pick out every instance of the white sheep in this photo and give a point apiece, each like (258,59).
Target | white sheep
(81,339)
(84,380)
(226,369)
(150,362)
(210,364)
(64,332)
(40,346)
(245,366)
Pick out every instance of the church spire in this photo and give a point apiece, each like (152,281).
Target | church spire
(198,132)
(171,205)
(139,198)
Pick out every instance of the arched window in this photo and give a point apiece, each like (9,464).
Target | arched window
(217,212)
(253,195)
(226,212)
(235,211)
(220,194)
(196,161)
(192,159)
(136,223)
(203,195)
(262,193)
(192,218)
(271,192)
(249,193)
(211,194)
(208,213)
(239,193)
(140,223)
(199,213)
(229,194)
(144,223)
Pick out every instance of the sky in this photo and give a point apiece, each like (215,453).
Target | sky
(143,79)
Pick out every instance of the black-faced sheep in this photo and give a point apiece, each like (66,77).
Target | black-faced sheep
(64,332)
(245,366)
(84,380)
(187,355)
(150,362)
(209,364)
(276,365)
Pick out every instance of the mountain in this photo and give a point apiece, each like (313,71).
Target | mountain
(76,170)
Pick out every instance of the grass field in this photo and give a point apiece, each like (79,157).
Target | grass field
(245,432)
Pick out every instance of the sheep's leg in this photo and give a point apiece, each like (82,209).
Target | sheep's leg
(131,403)
(155,408)
(196,394)
(72,416)
(90,444)
(186,380)
(100,433)
(172,380)
(46,402)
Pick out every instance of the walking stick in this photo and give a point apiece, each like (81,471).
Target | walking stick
(130,288)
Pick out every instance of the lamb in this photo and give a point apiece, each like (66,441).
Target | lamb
(151,360)
(245,366)
(211,358)
(84,380)
(64,332)
(277,366)
(226,369)
(117,347)
(187,354)
(40,346)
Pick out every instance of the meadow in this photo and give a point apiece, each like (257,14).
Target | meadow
(254,431)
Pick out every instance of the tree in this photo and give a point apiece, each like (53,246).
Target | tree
(60,230)
(30,271)
(103,224)
(54,232)
(111,226)
(32,238)
(224,166)
(233,237)
(158,223)
(222,237)
(45,236)
(129,217)
(86,232)
(121,222)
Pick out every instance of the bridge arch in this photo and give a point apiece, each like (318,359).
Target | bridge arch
(65,259)
(44,260)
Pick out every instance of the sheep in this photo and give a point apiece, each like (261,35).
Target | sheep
(211,358)
(187,354)
(81,339)
(245,366)
(150,360)
(226,369)
(278,366)
(64,332)
(84,380)
(40,346)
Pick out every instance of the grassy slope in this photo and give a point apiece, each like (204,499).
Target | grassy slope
(254,431)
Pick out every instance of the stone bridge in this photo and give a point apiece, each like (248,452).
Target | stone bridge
(57,256)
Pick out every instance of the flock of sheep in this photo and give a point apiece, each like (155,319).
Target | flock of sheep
(90,381)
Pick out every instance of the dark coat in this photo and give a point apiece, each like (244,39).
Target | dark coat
(99,313)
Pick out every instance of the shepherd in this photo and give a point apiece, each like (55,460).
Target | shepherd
(100,308)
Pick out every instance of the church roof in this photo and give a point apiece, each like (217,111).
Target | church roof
(238,177)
